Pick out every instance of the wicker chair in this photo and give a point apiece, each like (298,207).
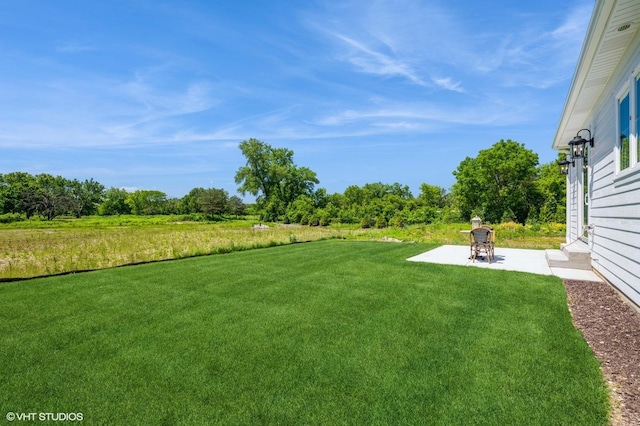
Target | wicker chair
(480,242)
(492,239)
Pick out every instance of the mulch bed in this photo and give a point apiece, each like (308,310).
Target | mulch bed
(612,328)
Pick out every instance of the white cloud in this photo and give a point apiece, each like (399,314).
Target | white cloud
(449,84)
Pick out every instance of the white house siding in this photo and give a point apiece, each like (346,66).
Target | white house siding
(614,202)
(572,197)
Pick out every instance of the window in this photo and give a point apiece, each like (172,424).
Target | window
(627,143)
(623,113)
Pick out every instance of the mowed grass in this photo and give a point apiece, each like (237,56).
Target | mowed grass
(330,332)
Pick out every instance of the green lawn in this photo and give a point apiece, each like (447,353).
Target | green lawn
(331,332)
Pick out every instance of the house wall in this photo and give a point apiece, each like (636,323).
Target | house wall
(614,199)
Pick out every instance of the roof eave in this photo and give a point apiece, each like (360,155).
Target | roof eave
(595,32)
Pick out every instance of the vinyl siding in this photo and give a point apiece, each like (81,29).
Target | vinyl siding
(614,201)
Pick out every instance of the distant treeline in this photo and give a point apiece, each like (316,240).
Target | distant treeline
(23,196)
(502,184)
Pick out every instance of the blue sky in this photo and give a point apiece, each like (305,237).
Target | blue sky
(158,94)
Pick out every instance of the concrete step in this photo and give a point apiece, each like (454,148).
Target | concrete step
(572,256)
(556,258)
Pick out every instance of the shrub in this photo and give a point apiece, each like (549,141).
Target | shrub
(366,222)
(381,222)
(314,220)
(12,217)
(397,221)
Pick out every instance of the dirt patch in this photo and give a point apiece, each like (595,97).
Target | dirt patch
(612,329)
(390,240)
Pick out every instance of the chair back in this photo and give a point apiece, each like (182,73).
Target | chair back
(492,233)
(480,235)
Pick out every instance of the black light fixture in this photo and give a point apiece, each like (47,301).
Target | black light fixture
(564,166)
(577,145)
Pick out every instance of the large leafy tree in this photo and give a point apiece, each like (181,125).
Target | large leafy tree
(190,203)
(114,202)
(499,184)
(271,175)
(85,196)
(53,195)
(18,193)
(214,201)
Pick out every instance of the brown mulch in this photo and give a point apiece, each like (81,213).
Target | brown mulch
(612,328)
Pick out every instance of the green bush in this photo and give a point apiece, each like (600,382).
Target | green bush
(381,222)
(12,217)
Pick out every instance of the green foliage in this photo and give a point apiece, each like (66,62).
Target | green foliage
(214,202)
(552,187)
(114,203)
(500,181)
(432,196)
(47,195)
(236,206)
(146,202)
(501,184)
(11,217)
(190,203)
(374,205)
(271,175)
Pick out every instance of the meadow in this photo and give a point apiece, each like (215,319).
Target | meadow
(330,332)
(41,248)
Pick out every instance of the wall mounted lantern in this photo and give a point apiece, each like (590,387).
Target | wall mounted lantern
(577,145)
(564,166)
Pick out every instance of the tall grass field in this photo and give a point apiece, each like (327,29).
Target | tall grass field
(329,332)
(40,248)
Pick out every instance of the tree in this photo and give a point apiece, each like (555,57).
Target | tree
(552,187)
(114,202)
(52,196)
(146,202)
(214,201)
(432,196)
(271,175)
(499,180)
(85,196)
(18,193)
(190,203)
(236,206)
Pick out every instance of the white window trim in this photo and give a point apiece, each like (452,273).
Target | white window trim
(622,93)
(635,111)
(629,174)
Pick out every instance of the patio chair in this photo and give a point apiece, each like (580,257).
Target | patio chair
(480,242)
(492,239)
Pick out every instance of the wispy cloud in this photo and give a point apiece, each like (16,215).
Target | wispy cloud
(372,61)
(75,47)
(449,84)
(430,43)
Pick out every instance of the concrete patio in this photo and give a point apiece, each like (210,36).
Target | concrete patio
(532,261)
